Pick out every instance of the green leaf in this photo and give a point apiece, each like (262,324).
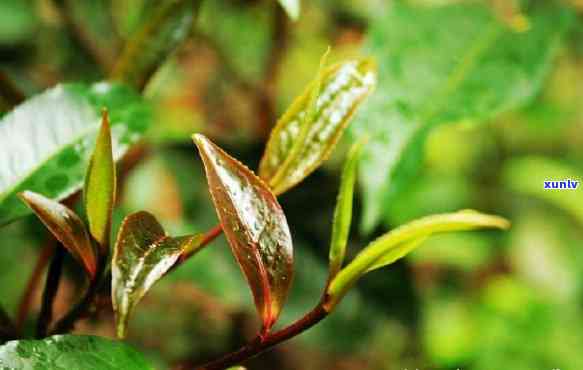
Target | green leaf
(100,186)
(473,69)
(527,176)
(400,241)
(66,226)
(297,146)
(47,141)
(398,252)
(71,352)
(255,227)
(292,7)
(163,29)
(343,210)
(143,254)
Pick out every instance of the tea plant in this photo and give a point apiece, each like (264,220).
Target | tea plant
(57,144)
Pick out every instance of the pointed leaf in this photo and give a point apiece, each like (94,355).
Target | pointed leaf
(142,255)
(47,140)
(255,227)
(100,187)
(343,210)
(66,226)
(382,251)
(398,252)
(71,352)
(292,7)
(297,146)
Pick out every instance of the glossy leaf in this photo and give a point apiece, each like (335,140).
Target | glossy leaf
(473,69)
(400,241)
(100,185)
(143,254)
(71,352)
(343,210)
(255,227)
(47,141)
(297,146)
(66,227)
(292,7)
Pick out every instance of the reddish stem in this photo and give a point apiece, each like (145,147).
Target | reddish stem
(208,237)
(261,344)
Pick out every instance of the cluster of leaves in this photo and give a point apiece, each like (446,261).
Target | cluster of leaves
(395,121)
(247,207)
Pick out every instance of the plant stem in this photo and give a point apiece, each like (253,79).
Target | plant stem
(50,292)
(33,282)
(262,344)
(209,236)
(67,323)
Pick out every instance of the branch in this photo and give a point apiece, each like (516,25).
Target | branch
(80,310)
(209,236)
(33,282)
(50,292)
(262,344)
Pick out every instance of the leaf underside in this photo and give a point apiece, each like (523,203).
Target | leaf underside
(143,254)
(255,227)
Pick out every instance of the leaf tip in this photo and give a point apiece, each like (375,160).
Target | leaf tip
(487,220)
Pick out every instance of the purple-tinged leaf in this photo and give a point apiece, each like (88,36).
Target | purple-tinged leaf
(67,228)
(143,253)
(255,227)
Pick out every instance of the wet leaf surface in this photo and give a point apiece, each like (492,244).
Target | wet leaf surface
(66,226)
(70,352)
(303,139)
(143,254)
(47,140)
(255,227)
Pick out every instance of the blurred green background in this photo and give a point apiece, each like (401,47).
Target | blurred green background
(475,301)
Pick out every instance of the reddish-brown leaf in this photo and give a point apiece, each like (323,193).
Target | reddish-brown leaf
(66,226)
(255,227)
